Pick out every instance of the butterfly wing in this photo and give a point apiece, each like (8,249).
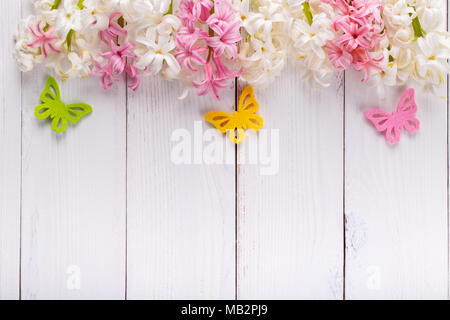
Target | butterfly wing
(227,123)
(379,119)
(407,103)
(221,120)
(247,101)
(51,92)
(251,120)
(411,124)
(406,110)
(383,123)
(248,105)
(76,111)
(43,111)
(49,97)
(393,134)
(59,124)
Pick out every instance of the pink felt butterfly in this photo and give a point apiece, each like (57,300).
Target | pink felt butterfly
(403,118)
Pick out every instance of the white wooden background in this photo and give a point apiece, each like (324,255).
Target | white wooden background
(347,216)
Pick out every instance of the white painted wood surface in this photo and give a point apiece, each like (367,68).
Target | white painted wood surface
(448,165)
(180,216)
(395,201)
(10,155)
(290,231)
(74,195)
(104,211)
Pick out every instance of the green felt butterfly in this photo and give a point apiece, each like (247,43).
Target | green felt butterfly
(52,107)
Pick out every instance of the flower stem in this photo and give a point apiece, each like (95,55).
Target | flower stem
(170,11)
(211,34)
(418,31)
(69,39)
(121,22)
(307,12)
(55,4)
(80,4)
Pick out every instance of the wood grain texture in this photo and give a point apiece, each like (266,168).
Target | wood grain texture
(448,166)
(74,194)
(10,133)
(180,216)
(290,232)
(396,200)
(106,205)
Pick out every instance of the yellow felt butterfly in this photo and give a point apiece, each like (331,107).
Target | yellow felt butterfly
(244,118)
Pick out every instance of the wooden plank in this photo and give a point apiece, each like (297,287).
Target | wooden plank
(181,217)
(396,200)
(448,166)
(10,145)
(74,198)
(290,220)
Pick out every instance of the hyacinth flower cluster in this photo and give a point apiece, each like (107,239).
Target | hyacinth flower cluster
(310,30)
(263,47)
(119,57)
(104,38)
(416,47)
(43,39)
(360,28)
(206,44)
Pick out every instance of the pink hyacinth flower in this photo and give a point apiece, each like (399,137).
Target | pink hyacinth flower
(186,13)
(194,34)
(222,71)
(363,62)
(223,14)
(120,59)
(43,39)
(117,56)
(354,36)
(188,55)
(114,29)
(105,73)
(341,6)
(134,75)
(338,56)
(202,9)
(365,8)
(210,83)
(225,40)
(359,27)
